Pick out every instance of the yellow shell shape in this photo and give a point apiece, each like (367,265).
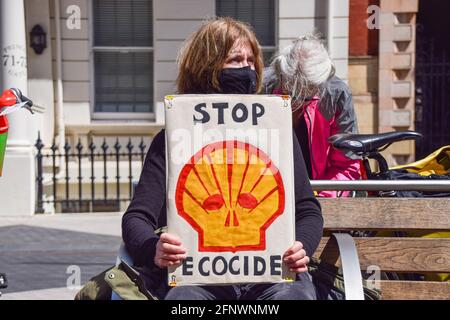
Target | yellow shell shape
(230,192)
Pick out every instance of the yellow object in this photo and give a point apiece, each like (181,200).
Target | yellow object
(436,163)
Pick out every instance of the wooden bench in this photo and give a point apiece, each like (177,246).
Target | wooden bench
(393,254)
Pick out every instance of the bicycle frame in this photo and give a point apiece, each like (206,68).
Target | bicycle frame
(382,164)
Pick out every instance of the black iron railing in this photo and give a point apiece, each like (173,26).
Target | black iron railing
(78,201)
(432,74)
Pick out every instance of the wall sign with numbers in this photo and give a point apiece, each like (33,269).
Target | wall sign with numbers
(14,60)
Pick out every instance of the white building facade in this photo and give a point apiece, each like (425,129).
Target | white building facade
(109,63)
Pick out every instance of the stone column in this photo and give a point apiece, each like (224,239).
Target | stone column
(17,185)
(396,74)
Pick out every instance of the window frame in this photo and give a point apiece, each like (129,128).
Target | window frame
(125,49)
(276,22)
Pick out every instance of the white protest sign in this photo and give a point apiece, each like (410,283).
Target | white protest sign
(230,187)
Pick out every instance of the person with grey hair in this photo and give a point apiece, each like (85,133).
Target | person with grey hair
(322,106)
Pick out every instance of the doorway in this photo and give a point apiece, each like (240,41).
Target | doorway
(432,109)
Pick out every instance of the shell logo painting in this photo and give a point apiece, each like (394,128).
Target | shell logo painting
(231,213)
(230,187)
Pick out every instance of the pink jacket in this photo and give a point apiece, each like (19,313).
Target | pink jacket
(327,163)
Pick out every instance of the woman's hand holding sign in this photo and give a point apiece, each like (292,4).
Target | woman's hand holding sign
(169,251)
(295,258)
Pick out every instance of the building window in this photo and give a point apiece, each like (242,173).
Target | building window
(123,56)
(260,14)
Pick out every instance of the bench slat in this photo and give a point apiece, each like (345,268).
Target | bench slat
(395,254)
(386,213)
(414,290)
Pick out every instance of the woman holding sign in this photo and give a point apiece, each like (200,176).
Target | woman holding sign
(223,56)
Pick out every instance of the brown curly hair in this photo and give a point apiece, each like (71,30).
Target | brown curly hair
(204,53)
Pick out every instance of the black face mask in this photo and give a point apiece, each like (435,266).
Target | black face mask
(238,80)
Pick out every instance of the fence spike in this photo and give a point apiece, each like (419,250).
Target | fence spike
(142,145)
(67,147)
(79,145)
(92,145)
(53,147)
(117,145)
(39,145)
(129,145)
(104,145)
(39,178)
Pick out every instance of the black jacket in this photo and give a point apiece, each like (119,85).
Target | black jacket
(147,210)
